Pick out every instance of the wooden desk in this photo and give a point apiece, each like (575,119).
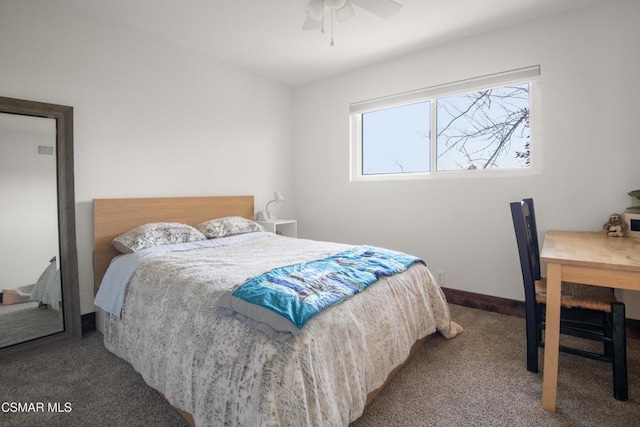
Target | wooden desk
(581,257)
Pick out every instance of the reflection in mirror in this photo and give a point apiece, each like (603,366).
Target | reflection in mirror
(29,269)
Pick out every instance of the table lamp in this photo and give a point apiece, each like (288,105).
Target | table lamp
(266,215)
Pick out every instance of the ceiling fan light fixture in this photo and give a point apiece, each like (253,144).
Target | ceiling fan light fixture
(314,9)
(344,10)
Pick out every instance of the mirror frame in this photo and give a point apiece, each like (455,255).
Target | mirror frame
(63,115)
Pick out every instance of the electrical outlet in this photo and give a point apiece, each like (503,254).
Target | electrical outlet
(440,277)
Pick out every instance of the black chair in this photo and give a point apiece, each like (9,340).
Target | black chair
(580,305)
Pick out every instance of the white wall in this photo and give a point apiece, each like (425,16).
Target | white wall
(590,63)
(151,119)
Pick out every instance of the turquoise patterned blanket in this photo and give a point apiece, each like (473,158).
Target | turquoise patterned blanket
(282,300)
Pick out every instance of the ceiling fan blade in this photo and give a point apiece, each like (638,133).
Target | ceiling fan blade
(383,8)
(335,4)
(314,9)
(311,24)
(345,12)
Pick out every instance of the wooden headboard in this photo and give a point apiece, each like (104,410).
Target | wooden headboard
(112,217)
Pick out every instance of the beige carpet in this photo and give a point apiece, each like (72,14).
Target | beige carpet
(479,378)
(476,379)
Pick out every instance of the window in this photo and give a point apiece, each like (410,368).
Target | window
(466,127)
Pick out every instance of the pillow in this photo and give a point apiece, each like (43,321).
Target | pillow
(228,226)
(155,234)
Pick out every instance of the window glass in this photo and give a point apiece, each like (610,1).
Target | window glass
(396,140)
(487,129)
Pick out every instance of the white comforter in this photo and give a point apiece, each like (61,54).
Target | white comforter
(226,373)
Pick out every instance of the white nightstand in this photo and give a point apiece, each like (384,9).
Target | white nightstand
(282,227)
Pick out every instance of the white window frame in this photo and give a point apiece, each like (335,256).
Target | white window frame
(529,75)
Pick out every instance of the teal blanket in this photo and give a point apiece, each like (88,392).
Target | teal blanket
(285,298)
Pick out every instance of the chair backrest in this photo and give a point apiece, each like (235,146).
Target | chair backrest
(529,214)
(524,224)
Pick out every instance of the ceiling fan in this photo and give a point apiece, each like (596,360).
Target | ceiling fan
(343,10)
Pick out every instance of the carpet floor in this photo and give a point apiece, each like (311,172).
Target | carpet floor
(23,322)
(476,379)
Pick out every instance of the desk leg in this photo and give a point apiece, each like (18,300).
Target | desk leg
(551,338)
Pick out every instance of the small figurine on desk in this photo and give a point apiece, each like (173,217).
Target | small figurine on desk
(616,226)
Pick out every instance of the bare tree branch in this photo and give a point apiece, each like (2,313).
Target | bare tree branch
(482,125)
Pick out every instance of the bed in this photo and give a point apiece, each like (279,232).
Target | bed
(217,370)
(46,291)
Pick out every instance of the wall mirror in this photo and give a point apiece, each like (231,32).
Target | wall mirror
(38,259)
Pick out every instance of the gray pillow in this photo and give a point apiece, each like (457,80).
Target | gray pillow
(228,226)
(156,234)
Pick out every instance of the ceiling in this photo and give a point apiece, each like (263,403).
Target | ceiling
(265,36)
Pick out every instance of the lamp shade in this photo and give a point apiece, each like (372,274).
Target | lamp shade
(278,197)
